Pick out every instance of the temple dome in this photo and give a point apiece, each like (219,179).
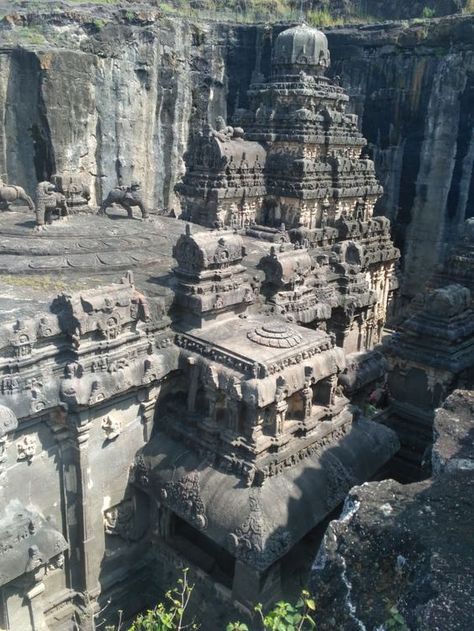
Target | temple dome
(303,48)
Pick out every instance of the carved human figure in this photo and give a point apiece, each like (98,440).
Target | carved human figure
(126,196)
(307,396)
(222,131)
(112,427)
(34,558)
(281,406)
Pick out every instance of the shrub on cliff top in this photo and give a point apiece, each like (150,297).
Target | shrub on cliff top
(469,6)
(428,12)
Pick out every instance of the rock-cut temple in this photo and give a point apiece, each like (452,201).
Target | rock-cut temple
(186,399)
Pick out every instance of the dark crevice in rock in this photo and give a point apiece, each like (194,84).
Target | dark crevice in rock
(457,199)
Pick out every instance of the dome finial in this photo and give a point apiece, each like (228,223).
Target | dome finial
(301,48)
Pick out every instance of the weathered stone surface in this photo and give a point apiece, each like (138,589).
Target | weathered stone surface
(453,434)
(409,547)
(402,80)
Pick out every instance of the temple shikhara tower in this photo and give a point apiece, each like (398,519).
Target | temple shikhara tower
(296,175)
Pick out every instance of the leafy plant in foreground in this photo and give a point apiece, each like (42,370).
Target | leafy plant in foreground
(284,616)
(170,615)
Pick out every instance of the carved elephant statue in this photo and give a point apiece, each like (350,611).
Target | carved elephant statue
(127,197)
(11,193)
(49,201)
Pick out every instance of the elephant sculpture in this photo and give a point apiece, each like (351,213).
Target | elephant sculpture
(127,197)
(10,193)
(49,201)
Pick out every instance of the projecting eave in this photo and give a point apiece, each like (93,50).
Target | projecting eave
(258,525)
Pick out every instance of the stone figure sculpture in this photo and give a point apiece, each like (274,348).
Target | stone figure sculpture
(127,197)
(48,201)
(222,131)
(75,190)
(10,193)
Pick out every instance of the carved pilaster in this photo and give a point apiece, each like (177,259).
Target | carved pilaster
(81,426)
(193,384)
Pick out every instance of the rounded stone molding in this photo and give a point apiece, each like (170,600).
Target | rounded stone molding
(275,335)
(302,47)
(200,521)
(232,541)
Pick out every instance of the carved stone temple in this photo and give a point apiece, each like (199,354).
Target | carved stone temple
(176,393)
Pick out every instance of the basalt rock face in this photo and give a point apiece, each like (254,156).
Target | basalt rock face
(117,103)
(406,550)
(413,88)
(396,9)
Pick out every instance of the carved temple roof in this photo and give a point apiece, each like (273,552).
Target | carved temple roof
(258,525)
(27,541)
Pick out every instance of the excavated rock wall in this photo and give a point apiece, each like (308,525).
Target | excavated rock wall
(117,102)
(414,91)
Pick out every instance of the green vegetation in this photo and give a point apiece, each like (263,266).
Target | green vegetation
(469,6)
(262,11)
(99,23)
(428,12)
(396,622)
(47,284)
(173,615)
(284,616)
(323,18)
(30,35)
(112,2)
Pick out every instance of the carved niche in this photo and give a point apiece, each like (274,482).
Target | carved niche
(121,521)
(22,341)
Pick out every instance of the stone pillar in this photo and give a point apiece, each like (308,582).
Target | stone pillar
(36,606)
(233,415)
(211,396)
(193,384)
(253,423)
(86,552)
(148,400)
(307,396)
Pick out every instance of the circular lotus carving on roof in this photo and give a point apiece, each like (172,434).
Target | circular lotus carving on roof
(276,335)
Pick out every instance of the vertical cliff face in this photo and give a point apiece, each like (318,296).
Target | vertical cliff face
(414,91)
(118,102)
